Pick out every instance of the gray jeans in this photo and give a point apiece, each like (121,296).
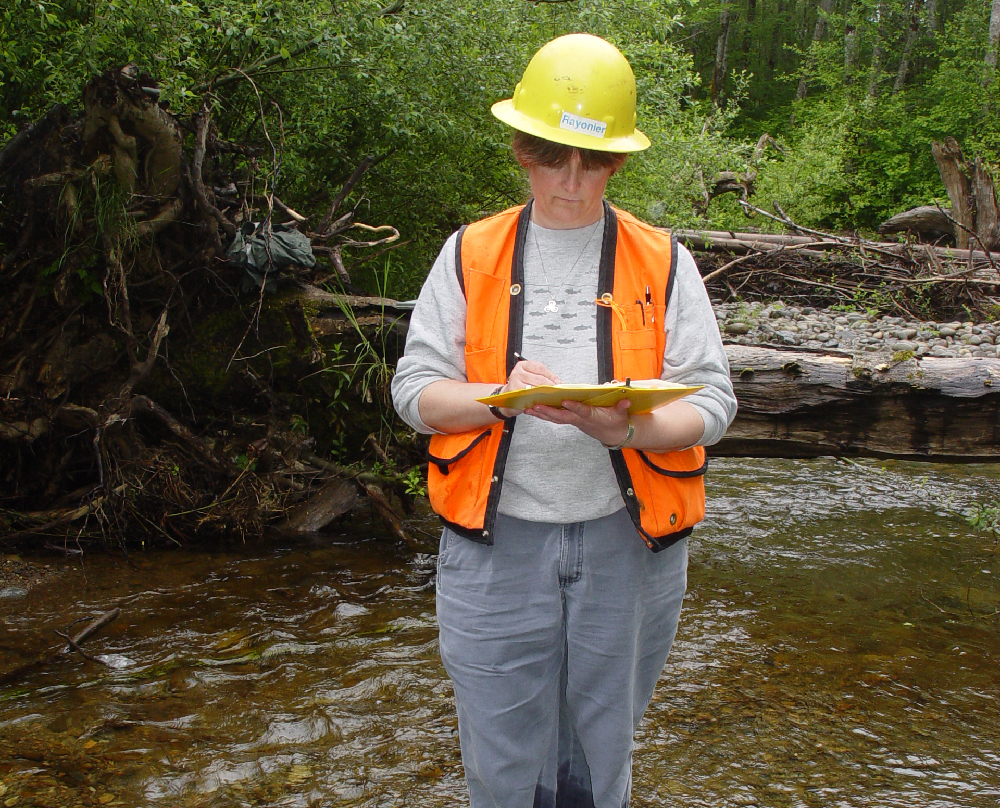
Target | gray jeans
(554,638)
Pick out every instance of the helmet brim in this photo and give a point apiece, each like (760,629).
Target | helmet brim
(504,110)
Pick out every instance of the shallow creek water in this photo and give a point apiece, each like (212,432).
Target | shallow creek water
(839,647)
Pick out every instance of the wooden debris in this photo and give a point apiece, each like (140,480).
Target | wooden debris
(795,403)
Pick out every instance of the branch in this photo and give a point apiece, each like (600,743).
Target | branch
(236,74)
(356,175)
(198,182)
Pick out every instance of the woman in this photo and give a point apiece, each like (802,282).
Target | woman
(555,616)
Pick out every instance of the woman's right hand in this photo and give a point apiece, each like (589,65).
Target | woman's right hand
(527,374)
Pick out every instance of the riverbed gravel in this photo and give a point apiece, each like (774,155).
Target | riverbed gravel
(780,325)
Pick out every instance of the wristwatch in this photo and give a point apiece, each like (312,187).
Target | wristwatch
(496,410)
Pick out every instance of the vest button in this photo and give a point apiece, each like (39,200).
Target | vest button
(630,492)
(496,479)
(486,533)
(515,289)
(673,518)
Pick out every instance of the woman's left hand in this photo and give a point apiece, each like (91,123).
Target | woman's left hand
(609,425)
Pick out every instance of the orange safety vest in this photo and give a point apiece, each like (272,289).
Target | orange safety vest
(664,492)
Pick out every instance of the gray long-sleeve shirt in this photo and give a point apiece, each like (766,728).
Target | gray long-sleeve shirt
(555,473)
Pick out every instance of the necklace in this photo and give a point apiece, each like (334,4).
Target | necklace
(552,307)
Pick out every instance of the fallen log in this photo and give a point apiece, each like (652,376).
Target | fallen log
(739,243)
(928,221)
(796,403)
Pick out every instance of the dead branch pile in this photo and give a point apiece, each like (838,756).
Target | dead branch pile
(810,267)
(113,230)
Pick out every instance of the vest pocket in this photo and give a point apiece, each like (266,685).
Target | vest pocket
(688,463)
(670,489)
(452,448)
(481,365)
(459,474)
(483,294)
(639,357)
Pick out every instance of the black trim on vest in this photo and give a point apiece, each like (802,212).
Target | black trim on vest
(458,258)
(606,285)
(698,472)
(673,271)
(606,354)
(466,533)
(663,542)
(443,462)
(515,336)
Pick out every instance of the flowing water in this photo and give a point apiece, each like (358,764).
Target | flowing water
(839,647)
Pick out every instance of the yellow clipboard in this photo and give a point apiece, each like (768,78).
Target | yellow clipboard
(645,396)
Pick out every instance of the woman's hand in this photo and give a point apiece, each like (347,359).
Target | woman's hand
(609,425)
(527,374)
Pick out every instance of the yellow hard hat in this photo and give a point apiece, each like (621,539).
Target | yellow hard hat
(577,90)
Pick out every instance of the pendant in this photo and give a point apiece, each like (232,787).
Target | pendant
(552,307)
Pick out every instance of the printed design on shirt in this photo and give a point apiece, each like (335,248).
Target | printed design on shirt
(573,324)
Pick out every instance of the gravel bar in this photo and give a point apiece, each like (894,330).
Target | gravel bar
(826,329)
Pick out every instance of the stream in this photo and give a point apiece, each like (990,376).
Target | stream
(839,646)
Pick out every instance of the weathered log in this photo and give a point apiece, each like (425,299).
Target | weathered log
(795,403)
(928,221)
(334,499)
(739,243)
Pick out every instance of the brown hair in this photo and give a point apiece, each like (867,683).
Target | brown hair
(531,150)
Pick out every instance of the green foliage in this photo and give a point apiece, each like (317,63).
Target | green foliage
(334,83)
(986,518)
(414,483)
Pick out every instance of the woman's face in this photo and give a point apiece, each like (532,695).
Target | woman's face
(568,196)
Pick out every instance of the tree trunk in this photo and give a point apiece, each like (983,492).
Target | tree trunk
(911,38)
(801,404)
(992,43)
(994,36)
(987,213)
(930,6)
(951,164)
(850,54)
(721,56)
(819,32)
(875,73)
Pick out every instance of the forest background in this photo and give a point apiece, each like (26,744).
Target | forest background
(853,92)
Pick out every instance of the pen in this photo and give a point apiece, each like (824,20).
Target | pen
(649,302)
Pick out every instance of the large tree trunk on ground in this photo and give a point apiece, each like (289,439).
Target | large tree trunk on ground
(928,221)
(795,403)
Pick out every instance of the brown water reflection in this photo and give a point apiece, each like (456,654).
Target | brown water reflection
(828,655)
